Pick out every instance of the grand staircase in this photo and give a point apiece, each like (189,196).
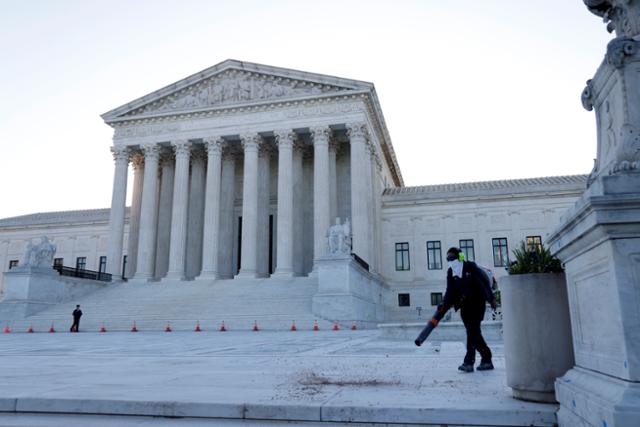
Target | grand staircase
(274,304)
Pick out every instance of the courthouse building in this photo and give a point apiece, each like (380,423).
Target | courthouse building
(239,171)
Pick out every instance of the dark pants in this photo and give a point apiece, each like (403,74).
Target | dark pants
(472,315)
(76,325)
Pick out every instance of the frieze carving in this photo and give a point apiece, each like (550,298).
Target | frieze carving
(619,49)
(140,130)
(235,87)
(621,16)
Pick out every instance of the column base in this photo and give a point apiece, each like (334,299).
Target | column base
(173,276)
(247,274)
(591,399)
(282,274)
(207,276)
(142,278)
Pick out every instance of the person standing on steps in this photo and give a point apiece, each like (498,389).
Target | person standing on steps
(77,314)
(469,289)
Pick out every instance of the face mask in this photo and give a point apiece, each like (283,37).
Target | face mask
(456,267)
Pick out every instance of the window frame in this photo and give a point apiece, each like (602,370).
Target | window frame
(503,255)
(402,251)
(438,298)
(102,264)
(83,263)
(435,250)
(402,297)
(465,249)
(13,263)
(58,262)
(536,242)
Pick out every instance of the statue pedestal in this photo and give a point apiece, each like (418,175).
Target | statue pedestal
(599,242)
(347,292)
(29,290)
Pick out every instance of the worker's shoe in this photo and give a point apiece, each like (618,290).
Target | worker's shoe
(466,367)
(485,366)
(418,343)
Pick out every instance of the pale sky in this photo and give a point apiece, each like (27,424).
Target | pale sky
(471,90)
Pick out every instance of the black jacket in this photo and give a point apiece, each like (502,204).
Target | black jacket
(473,287)
(77,313)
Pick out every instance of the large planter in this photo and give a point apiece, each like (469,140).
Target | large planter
(537,333)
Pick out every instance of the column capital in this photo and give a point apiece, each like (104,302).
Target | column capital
(321,134)
(137,159)
(166,156)
(214,145)
(181,147)
(285,137)
(357,130)
(250,141)
(266,150)
(120,154)
(151,151)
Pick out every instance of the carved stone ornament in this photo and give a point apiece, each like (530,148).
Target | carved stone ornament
(621,16)
(250,141)
(619,49)
(235,87)
(587,96)
(40,255)
(285,138)
(339,239)
(137,160)
(357,130)
(120,154)
(151,151)
(321,134)
(214,145)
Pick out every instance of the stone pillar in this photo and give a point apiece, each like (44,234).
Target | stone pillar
(211,238)
(227,214)
(117,213)
(148,214)
(264,207)
(284,259)
(360,179)
(167,170)
(137,161)
(250,144)
(333,180)
(302,244)
(178,241)
(598,240)
(321,190)
(195,223)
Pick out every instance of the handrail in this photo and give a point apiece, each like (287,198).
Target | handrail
(83,274)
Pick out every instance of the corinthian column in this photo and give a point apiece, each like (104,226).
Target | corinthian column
(321,189)
(248,253)
(360,177)
(211,233)
(116,215)
(333,180)
(137,161)
(284,258)
(178,241)
(148,213)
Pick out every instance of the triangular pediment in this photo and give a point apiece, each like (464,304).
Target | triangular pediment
(234,83)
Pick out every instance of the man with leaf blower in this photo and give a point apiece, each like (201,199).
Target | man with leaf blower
(468,289)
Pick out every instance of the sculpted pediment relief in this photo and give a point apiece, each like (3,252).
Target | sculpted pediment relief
(235,87)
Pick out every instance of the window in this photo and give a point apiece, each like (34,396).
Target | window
(404,300)
(102,267)
(500,252)
(402,256)
(436,298)
(57,262)
(434,255)
(534,243)
(81,263)
(13,263)
(466,246)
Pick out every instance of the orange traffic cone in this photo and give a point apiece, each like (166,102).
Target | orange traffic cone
(315,325)
(336,327)
(354,326)
(30,330)
(134,328)
(255,326)
(293,326)
(222,328)
(103,329)
(168,327)
(52,329)
(7,330)
(197,329)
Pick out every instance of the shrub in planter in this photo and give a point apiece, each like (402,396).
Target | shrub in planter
(536,324)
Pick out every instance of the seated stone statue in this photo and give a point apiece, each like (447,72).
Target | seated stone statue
(339,238)
(40,255)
